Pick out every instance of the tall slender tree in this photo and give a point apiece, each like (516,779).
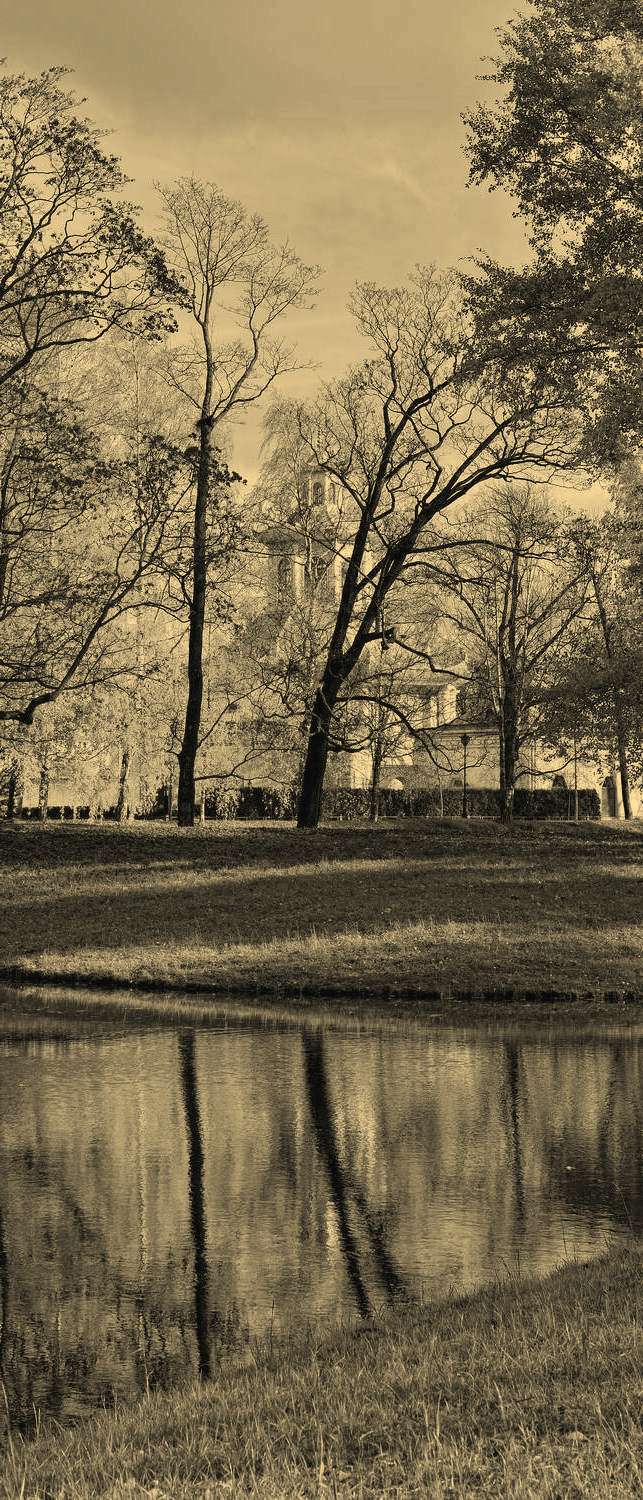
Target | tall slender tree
(236,284)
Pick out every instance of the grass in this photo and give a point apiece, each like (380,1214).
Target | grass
(525,1390)
(407,908)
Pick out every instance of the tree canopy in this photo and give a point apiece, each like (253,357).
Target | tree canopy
(564,139)
(74,262)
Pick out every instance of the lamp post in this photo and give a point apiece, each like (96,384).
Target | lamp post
(464,740)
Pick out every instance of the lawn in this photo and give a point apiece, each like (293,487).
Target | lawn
(523,1390)
(406,908)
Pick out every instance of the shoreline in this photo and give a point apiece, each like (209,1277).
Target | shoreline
(297,1004)
(488,1391)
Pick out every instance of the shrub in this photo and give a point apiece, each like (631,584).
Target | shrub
(344,803)
(222,802)
(556,802)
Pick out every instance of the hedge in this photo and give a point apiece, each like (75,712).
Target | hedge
(348,804)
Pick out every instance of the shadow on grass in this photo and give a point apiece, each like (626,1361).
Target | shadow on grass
(215,845)
(225,910)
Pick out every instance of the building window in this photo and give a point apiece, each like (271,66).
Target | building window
(318,492)
(314,572)
(284,580)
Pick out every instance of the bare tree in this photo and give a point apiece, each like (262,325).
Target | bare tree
(222,252)
(512,586)
(408,433)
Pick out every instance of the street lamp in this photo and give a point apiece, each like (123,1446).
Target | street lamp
(464,740)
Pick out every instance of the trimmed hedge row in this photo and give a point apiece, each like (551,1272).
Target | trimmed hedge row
(347,804)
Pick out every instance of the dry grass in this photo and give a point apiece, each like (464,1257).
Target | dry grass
(408,908)
(530,1391)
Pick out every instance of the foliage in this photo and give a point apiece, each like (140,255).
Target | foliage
(627,495)
(84,540)
(596,699)
(73,262)
(564,139)
(352,803)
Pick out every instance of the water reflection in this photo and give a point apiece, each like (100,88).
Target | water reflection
(196,1198)
(163,1189)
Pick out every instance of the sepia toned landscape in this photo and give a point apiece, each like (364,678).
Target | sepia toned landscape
(321,772)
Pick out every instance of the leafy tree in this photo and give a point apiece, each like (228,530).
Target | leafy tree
(234,279)
(84,540)
(74,263)
(421,423)
(577,716)
(564,139)
(603,682)
(627,495)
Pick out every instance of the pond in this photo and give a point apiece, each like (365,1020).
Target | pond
(167,1190)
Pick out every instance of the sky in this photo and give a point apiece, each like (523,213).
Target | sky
(338,121)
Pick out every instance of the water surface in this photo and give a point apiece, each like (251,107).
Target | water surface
(165,1190)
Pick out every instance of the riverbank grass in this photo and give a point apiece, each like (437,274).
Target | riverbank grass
(408,908)
(523,1390)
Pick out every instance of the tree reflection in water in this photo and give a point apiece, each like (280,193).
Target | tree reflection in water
(197,1199)
(4,1296)
(322,1118)
(162,1190)
(343,1187)
(511,1103)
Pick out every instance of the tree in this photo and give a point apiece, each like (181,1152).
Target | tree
(84,540)
(423,422)
(565,140)
(511,585)
(627,495)
(599,701)
(73,262)
(221,252)
(577,716)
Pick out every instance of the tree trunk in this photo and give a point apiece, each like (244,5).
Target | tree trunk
(190,745)
(312,781)
(575,781)
(621,745)
(43,792)
(378,756)
(619,723)
(14,791)
(509,748)
(121,804)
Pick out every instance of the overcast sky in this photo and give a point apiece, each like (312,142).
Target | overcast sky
(339,121)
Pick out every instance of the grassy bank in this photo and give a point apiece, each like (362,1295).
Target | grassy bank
(400,908)
(529,1390)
